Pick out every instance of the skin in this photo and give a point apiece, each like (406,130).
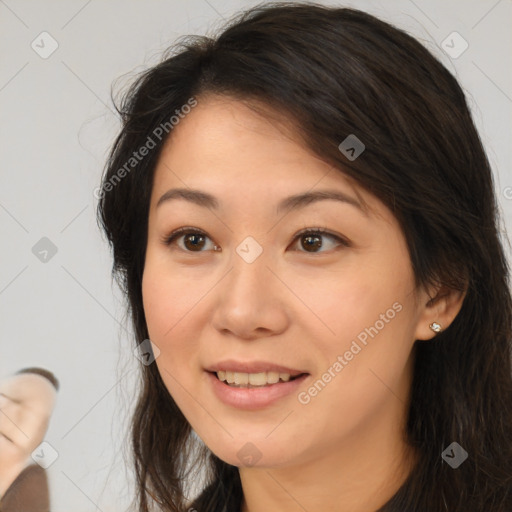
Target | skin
(26,404)
(343,450)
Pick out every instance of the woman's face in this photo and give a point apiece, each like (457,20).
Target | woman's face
(249,293)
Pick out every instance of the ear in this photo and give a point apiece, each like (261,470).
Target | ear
(440,305)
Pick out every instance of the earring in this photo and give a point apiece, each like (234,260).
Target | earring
(435,327)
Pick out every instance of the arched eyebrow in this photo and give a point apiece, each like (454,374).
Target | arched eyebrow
(298,201)
(288,204)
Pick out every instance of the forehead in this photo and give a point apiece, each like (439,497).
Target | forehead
(221,131)
(226,147)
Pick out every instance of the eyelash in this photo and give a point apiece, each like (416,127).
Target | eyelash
(172,237)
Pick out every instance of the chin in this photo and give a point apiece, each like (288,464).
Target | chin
(245,453)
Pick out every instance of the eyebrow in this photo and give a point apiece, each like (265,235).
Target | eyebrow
(288,204)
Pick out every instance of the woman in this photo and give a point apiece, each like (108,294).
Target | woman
(303,221)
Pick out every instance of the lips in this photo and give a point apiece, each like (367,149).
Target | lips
(254,398)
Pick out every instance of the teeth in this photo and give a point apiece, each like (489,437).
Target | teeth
(256,379)
(273,377)
(248,380)
(242,379)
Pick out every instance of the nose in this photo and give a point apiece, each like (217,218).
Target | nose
(250,301)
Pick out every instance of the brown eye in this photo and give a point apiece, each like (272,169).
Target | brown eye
(313,240)
(192,240)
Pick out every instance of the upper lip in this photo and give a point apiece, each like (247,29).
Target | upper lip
(252,367)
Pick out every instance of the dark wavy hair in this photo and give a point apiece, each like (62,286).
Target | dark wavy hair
(334,72)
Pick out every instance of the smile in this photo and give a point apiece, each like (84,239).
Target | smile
(253,380)
(248,396)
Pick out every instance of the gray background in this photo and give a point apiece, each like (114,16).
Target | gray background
(56,126)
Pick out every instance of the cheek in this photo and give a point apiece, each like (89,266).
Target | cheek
(170,304)
(368,322)
(168,300)
(358,302)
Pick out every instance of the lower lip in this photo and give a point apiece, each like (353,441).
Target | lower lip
(253,398)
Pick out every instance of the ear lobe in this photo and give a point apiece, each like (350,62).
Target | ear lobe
(439,310)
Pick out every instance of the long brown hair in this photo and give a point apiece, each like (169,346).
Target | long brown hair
(336,72)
